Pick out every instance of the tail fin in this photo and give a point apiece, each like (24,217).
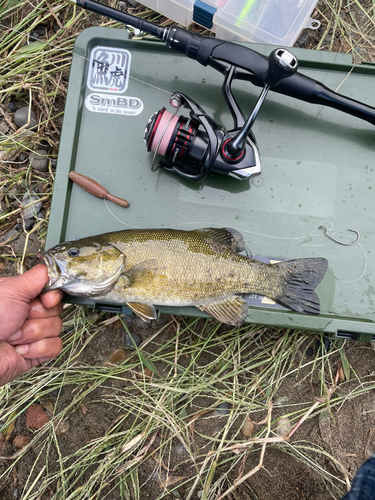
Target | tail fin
(301,277)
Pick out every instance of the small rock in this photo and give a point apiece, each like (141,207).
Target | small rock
(29,224)
(248,428)
(22,157)
(4,129)
(12,107)
(9,234)
(283,426)
(122,5)
(40,31)
(36,417)
(39,160)
(132,340)
(33,245)
(62,428)
(117,357)
(33,209)
(20,441)
(34,36)
(139,323)
(309,352)
(133,3)
(302,40)
(49,406)
(53,163)
(40,215)
(21,118)
(223,409)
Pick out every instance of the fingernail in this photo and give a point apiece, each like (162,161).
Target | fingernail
(22,349)
(16,336)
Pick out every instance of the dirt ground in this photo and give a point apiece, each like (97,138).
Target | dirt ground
(346,433)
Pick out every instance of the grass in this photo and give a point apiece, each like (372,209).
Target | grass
(165,393)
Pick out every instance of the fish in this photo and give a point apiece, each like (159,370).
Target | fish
(205,268)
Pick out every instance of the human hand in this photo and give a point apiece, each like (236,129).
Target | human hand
(29,323)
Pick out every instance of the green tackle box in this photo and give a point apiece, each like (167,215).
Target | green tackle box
(317,169)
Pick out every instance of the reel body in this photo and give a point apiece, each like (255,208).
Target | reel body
(195,146)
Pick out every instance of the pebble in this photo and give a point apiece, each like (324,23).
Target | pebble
(21,118)
(223,409)
(22,157)
(40,215)
(36,417)
(4,129)
(54,163)
(12,107)
(302,40)
(40,31)
(20,441)
(34,36)
(117,357)
(39,160)
(122,5)
(9,234)
(33,245)
(33,209)
(283,427)
(133,3)
(139,323)
(62,428)
(247,429)
(132,339)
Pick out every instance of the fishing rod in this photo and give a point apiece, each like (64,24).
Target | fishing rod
(197,145)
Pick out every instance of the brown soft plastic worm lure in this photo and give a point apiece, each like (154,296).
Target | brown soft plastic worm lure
(95,188)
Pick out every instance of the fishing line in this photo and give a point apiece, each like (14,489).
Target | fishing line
(72,54)
(215,224)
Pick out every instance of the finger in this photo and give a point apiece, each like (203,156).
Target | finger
(31,283)
(42,349)
(51,299)
(38,310)
(11,363)
(37,329)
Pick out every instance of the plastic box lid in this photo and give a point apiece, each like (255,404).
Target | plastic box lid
(277,22)
(317,165)
(262,21)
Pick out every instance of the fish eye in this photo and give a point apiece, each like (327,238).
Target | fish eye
(73,252)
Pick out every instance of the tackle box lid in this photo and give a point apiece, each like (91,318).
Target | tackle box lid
(317,170)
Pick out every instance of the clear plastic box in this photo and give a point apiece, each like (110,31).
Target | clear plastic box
(275,22)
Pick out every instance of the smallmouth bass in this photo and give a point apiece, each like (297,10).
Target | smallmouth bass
(202,268)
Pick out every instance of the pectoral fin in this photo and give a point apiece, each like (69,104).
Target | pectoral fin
(232,311)
(224,236)
(143,271)
(144,311)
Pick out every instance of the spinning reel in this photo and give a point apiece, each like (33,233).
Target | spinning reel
(197,145)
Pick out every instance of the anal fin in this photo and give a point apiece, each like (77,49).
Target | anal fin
(231,311)
(146,312)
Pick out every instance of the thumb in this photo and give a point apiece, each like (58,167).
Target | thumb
(31,283)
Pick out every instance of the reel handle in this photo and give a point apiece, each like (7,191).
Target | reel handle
(281,64)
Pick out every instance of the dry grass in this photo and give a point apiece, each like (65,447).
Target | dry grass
(161,385)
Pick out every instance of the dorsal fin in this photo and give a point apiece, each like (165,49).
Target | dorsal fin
(232,311)
(224,236)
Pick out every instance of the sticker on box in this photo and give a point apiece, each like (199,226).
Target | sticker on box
(109,69)
(116,105)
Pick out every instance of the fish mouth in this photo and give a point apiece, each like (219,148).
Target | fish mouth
(56,274)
